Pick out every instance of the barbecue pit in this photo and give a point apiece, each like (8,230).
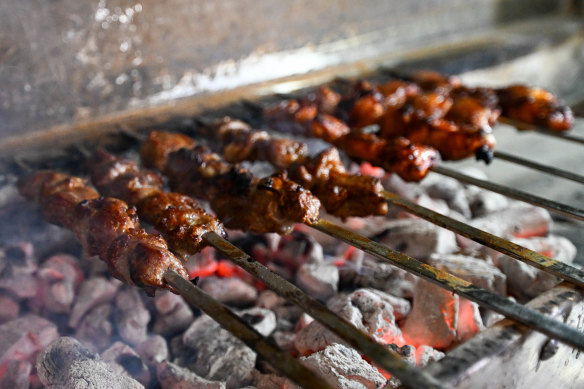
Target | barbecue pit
(513,358)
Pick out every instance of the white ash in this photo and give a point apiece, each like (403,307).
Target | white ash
(284,339)
(172,376)
(344,368)
(450,190)
(65,363)
(215,354)
(19,274)
(173,314)
(320,280)
(131,316)
(59,278)
(483,202)
(524,281)
(24,337)
(123,360)
(271,381)
(477,271)
(470,321)
(231,290)
(92,292)
(519,219)
(419,238)
(269,299)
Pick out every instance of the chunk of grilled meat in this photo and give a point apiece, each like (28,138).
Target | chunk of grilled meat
(342,194)
(182,220)
(240,200)
(105,226)
(535,106)
(363,106)
(399,155)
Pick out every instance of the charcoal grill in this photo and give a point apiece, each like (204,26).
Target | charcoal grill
(508,350)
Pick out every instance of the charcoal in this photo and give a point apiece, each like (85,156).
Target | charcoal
(524,281)
(490,317)
(426,355)
(436,205)
(124,360)
(59,278)
(96,327)
(449,190)
(419,238)
(215,354)
(20,280)
(232,290)
(61,266)
(296,249)
(483,202)
(434,317)
(343,367)
(304,320)
(65,363)
(9,308)
(284,340)
(470,321)
(400,306)
(16,375)
(173,314)
(320,280)
(24,337)
(474,270)
(271,381)
(382,276)
(131,316)
(92,292)
(171,376)
(378,315)
(269,299)
(20,254)
(153,350)
(519,220)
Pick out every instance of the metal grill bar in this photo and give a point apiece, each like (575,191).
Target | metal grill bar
(538,166)
(504,246)
(278,358)
(503,305)
(550,205)
(385,358)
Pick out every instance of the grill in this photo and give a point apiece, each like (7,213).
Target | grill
(510,350)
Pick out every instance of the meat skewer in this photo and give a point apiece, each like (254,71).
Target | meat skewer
(106,227)
(240,200)
(179,217)
(341,193)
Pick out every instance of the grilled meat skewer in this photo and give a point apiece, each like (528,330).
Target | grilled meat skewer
(341,193)
(240,200)
(105,226)
(179,217)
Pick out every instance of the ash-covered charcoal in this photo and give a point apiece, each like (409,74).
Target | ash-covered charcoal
(284,339)
(520,220)
(24,337)
(320,280)
(271,381)
(122,359)
(131,316)
(436,205)
(153,350)
(171,376)
(18,275)
(449,190)
(59,277)
(434,317)
(344,368)
(65,363)
(477,271)
(470,321)
(9,308)
(16,375)
(483,202)
(419,238)
(215,354)
(96,327)
(231,290)
(92,292)
(173,314)
(524,281)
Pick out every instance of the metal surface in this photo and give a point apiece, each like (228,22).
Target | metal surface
(484,298)
(279,359)
(550,205)
(382,356)
(540,167)
(530,257)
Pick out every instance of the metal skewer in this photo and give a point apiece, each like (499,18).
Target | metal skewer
(538,166)
(541,130)
(278,358)
(550,205)
(486,299)
(530,257)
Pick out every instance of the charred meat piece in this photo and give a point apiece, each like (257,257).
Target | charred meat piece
(179,217)
(342,194)
(535,106)
(106,227)
(363,106)
(240,200)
